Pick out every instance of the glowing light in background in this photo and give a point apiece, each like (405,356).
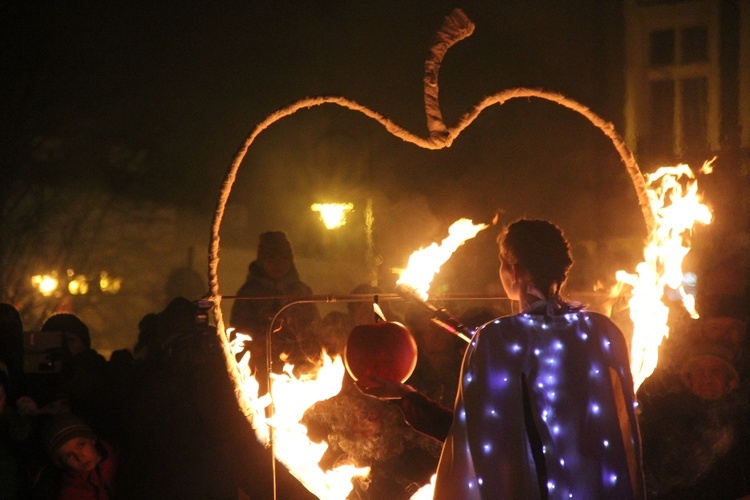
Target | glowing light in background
(78,284)
(108,284)
(425,263)
(674,198)
(333,215)
(45,283)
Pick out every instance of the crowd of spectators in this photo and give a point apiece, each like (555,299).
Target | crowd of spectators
(694,409)
(160,420)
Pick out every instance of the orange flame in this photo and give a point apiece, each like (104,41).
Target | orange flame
(425,263)
(292,396)
(421,269)
(674,198)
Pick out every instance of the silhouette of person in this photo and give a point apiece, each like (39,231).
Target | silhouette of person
(271,279)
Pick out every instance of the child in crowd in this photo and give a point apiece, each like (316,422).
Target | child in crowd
(88,464)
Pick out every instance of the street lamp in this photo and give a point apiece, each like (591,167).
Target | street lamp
(45,283)
(333,215)
(109,284)
(77,284)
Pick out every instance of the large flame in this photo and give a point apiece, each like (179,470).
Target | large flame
(291,396)
(674,198)
(425,263)
(673,193)
(421,269)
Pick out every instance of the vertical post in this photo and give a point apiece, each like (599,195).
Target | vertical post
(372,265)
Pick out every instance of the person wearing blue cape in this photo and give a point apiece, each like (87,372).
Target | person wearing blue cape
(545,404)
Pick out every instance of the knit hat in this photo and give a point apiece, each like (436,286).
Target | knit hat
(68,323)
(719,353)
(274,244)
(177,318)
(60,429)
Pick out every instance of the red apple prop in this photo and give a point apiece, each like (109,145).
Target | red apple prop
(386,350)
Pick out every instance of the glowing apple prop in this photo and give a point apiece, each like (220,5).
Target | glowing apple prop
(385,350)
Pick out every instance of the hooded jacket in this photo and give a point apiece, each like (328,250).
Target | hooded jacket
(254,316)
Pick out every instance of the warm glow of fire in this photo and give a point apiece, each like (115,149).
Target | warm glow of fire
(673,193)
(425,263)
(426,492)
(45,283)
(291,396)
(332,214)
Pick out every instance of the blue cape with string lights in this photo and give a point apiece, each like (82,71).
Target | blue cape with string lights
(545,409)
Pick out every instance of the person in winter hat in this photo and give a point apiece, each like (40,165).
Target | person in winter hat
(88,464)
(273,275)
(709,371)
(694,426)
(83,378)
(75,331)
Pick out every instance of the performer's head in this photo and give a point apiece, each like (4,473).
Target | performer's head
(533,253)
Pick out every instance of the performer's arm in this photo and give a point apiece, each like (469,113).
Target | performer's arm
(425,415)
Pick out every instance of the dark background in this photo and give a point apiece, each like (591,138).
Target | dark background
(120,119)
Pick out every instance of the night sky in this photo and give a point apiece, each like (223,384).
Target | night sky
(148,102)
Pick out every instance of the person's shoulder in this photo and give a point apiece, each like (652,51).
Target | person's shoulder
(243,289)
(497,323)
(91,358)
(598,319)
(256,285)
(601,326)
(502,338)
(498,328)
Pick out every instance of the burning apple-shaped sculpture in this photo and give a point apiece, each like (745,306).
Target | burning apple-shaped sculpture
(385,350)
